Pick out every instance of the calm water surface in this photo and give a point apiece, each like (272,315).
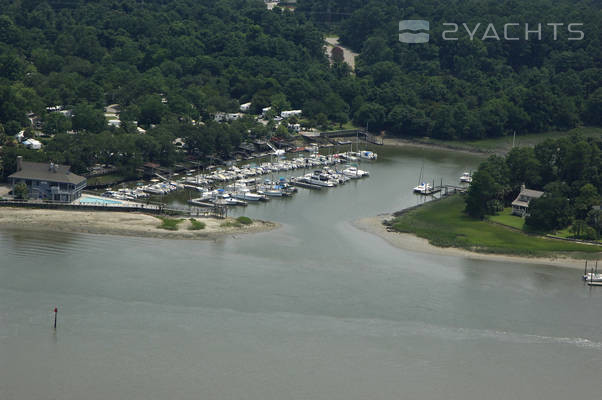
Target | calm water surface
(314,310)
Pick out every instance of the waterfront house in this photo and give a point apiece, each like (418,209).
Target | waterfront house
(520,206)
(48,181)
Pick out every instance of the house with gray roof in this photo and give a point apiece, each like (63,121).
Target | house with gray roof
(48,181)
(520,206)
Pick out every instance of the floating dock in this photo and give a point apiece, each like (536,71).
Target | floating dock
(306,185)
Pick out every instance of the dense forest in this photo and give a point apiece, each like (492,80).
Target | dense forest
(172,64)
(567,170)
(456,89)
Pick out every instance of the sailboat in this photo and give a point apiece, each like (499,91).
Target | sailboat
(423,187)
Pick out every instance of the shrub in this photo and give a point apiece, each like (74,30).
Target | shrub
(169,224)
(245,220)
(196,225)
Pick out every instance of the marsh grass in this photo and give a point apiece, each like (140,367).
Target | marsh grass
(445,224)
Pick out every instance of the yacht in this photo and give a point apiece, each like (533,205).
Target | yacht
(423,188)
(592,277)
(368,155)
(247,195)
(354,173)
(315,180)
(466,177)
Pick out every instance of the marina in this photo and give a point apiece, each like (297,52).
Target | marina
(239,185)
(307,309)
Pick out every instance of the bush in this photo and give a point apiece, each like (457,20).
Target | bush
(245,220)
(169,223)
(196,225)
(21,191)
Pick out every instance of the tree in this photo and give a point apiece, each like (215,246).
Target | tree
(548,213)
(370,114)
(482,198)
(322,120)
(588,197)
(56,123)
(21,192)
(87,118)
(593,108)
(151,110)
(524,168)
(337,55)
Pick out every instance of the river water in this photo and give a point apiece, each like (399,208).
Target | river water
(314,310)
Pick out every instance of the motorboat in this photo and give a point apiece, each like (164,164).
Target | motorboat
(423,188)
(592,277)
(246,194)
(368,155)
(315,180)
(466,177)
(354,173)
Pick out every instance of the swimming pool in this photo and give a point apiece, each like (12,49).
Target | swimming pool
(97,200)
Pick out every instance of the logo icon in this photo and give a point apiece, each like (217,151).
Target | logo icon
(414,25)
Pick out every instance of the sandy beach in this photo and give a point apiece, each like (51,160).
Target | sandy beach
(119,223)
(411,242)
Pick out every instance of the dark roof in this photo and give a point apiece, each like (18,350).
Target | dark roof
(534,194)
(44,172)
(529,194)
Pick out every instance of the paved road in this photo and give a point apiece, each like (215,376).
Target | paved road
(348,54)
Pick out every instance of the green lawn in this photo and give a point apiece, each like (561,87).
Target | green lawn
(105,179)
(504,144)
(506,218)
(444,224)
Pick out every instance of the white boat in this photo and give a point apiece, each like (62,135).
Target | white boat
(354,173)
(272,190)
(592,277)
(247,195)
(466,177)
(423,188)
(154,189)
(368,155)
(315,180)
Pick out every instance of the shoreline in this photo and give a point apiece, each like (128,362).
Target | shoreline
(407,241)
(398,142)
(120,224)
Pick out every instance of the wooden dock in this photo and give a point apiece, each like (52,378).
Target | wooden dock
(445,190)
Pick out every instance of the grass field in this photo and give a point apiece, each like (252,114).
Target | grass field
(504,144)
(105,180)
(444,224)
(506,218)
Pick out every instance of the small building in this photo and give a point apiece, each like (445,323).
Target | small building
(520,206)
(150,169)
(265,111)
(48,181)
(245,107)
(291,113)
(32,144)
(227,117)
